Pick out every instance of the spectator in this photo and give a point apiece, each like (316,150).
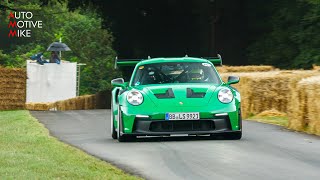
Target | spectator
(54,57)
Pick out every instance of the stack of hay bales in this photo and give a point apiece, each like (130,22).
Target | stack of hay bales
(315,67)
(271,113)
(100,100)
(306,106)
(224,69)
(262,91)
(77,103)
(39,106)
(12,88)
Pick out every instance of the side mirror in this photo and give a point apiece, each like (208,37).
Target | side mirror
(119,82)
(233,80)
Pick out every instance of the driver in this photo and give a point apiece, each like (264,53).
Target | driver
(196,75)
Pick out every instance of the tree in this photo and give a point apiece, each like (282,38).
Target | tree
(290,38)
(80,29)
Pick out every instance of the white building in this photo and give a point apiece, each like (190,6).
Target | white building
(51,82)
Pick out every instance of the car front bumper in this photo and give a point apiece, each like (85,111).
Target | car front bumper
(143,126)
(145,121)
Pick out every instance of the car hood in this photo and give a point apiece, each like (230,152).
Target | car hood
(179,95)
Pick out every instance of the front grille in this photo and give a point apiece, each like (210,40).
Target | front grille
(181,125)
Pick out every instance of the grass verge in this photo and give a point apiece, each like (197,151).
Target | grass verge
(27,151)
(276,120)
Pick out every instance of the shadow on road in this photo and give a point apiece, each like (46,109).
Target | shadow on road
(179,138)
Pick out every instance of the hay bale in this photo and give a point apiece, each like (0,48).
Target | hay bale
(69,104)
(315,67)
(12,85)
(60,105)
(306,108)
(80,103)
(224,69)
(30,106)
(271,113)
(53,106)
(11,107)
(89,102)
(12,88)
(39,106)
(13,72)
(261,91)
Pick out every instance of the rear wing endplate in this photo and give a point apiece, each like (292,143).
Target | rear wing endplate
(215,60)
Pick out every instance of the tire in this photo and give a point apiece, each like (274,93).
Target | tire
(234,135)
(121,136)
(113,129)
(240,120)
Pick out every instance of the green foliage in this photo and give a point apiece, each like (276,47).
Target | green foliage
(91,45)
(4,58)
(81,30)
(291,36)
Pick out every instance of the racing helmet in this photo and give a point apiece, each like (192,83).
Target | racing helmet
(196,74)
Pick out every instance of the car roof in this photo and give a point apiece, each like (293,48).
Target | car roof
(165,60)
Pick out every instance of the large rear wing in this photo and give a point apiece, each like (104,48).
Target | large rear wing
(215,60)
(132,62)
(125,62)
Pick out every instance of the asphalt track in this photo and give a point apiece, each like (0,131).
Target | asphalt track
(264,152)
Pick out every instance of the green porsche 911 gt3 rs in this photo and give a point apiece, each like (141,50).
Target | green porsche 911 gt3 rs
(168,96)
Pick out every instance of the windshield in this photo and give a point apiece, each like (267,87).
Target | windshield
(185,72)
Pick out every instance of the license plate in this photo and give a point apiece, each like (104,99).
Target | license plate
(183,116)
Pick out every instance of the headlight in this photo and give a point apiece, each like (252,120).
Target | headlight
(134,97)
(225,95)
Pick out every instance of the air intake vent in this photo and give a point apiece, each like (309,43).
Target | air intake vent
(192,94)
(166,95)
(182,125)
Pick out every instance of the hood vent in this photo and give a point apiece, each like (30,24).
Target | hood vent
(192,94)
(168,94)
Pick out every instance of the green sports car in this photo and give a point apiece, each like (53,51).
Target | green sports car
(168,96)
